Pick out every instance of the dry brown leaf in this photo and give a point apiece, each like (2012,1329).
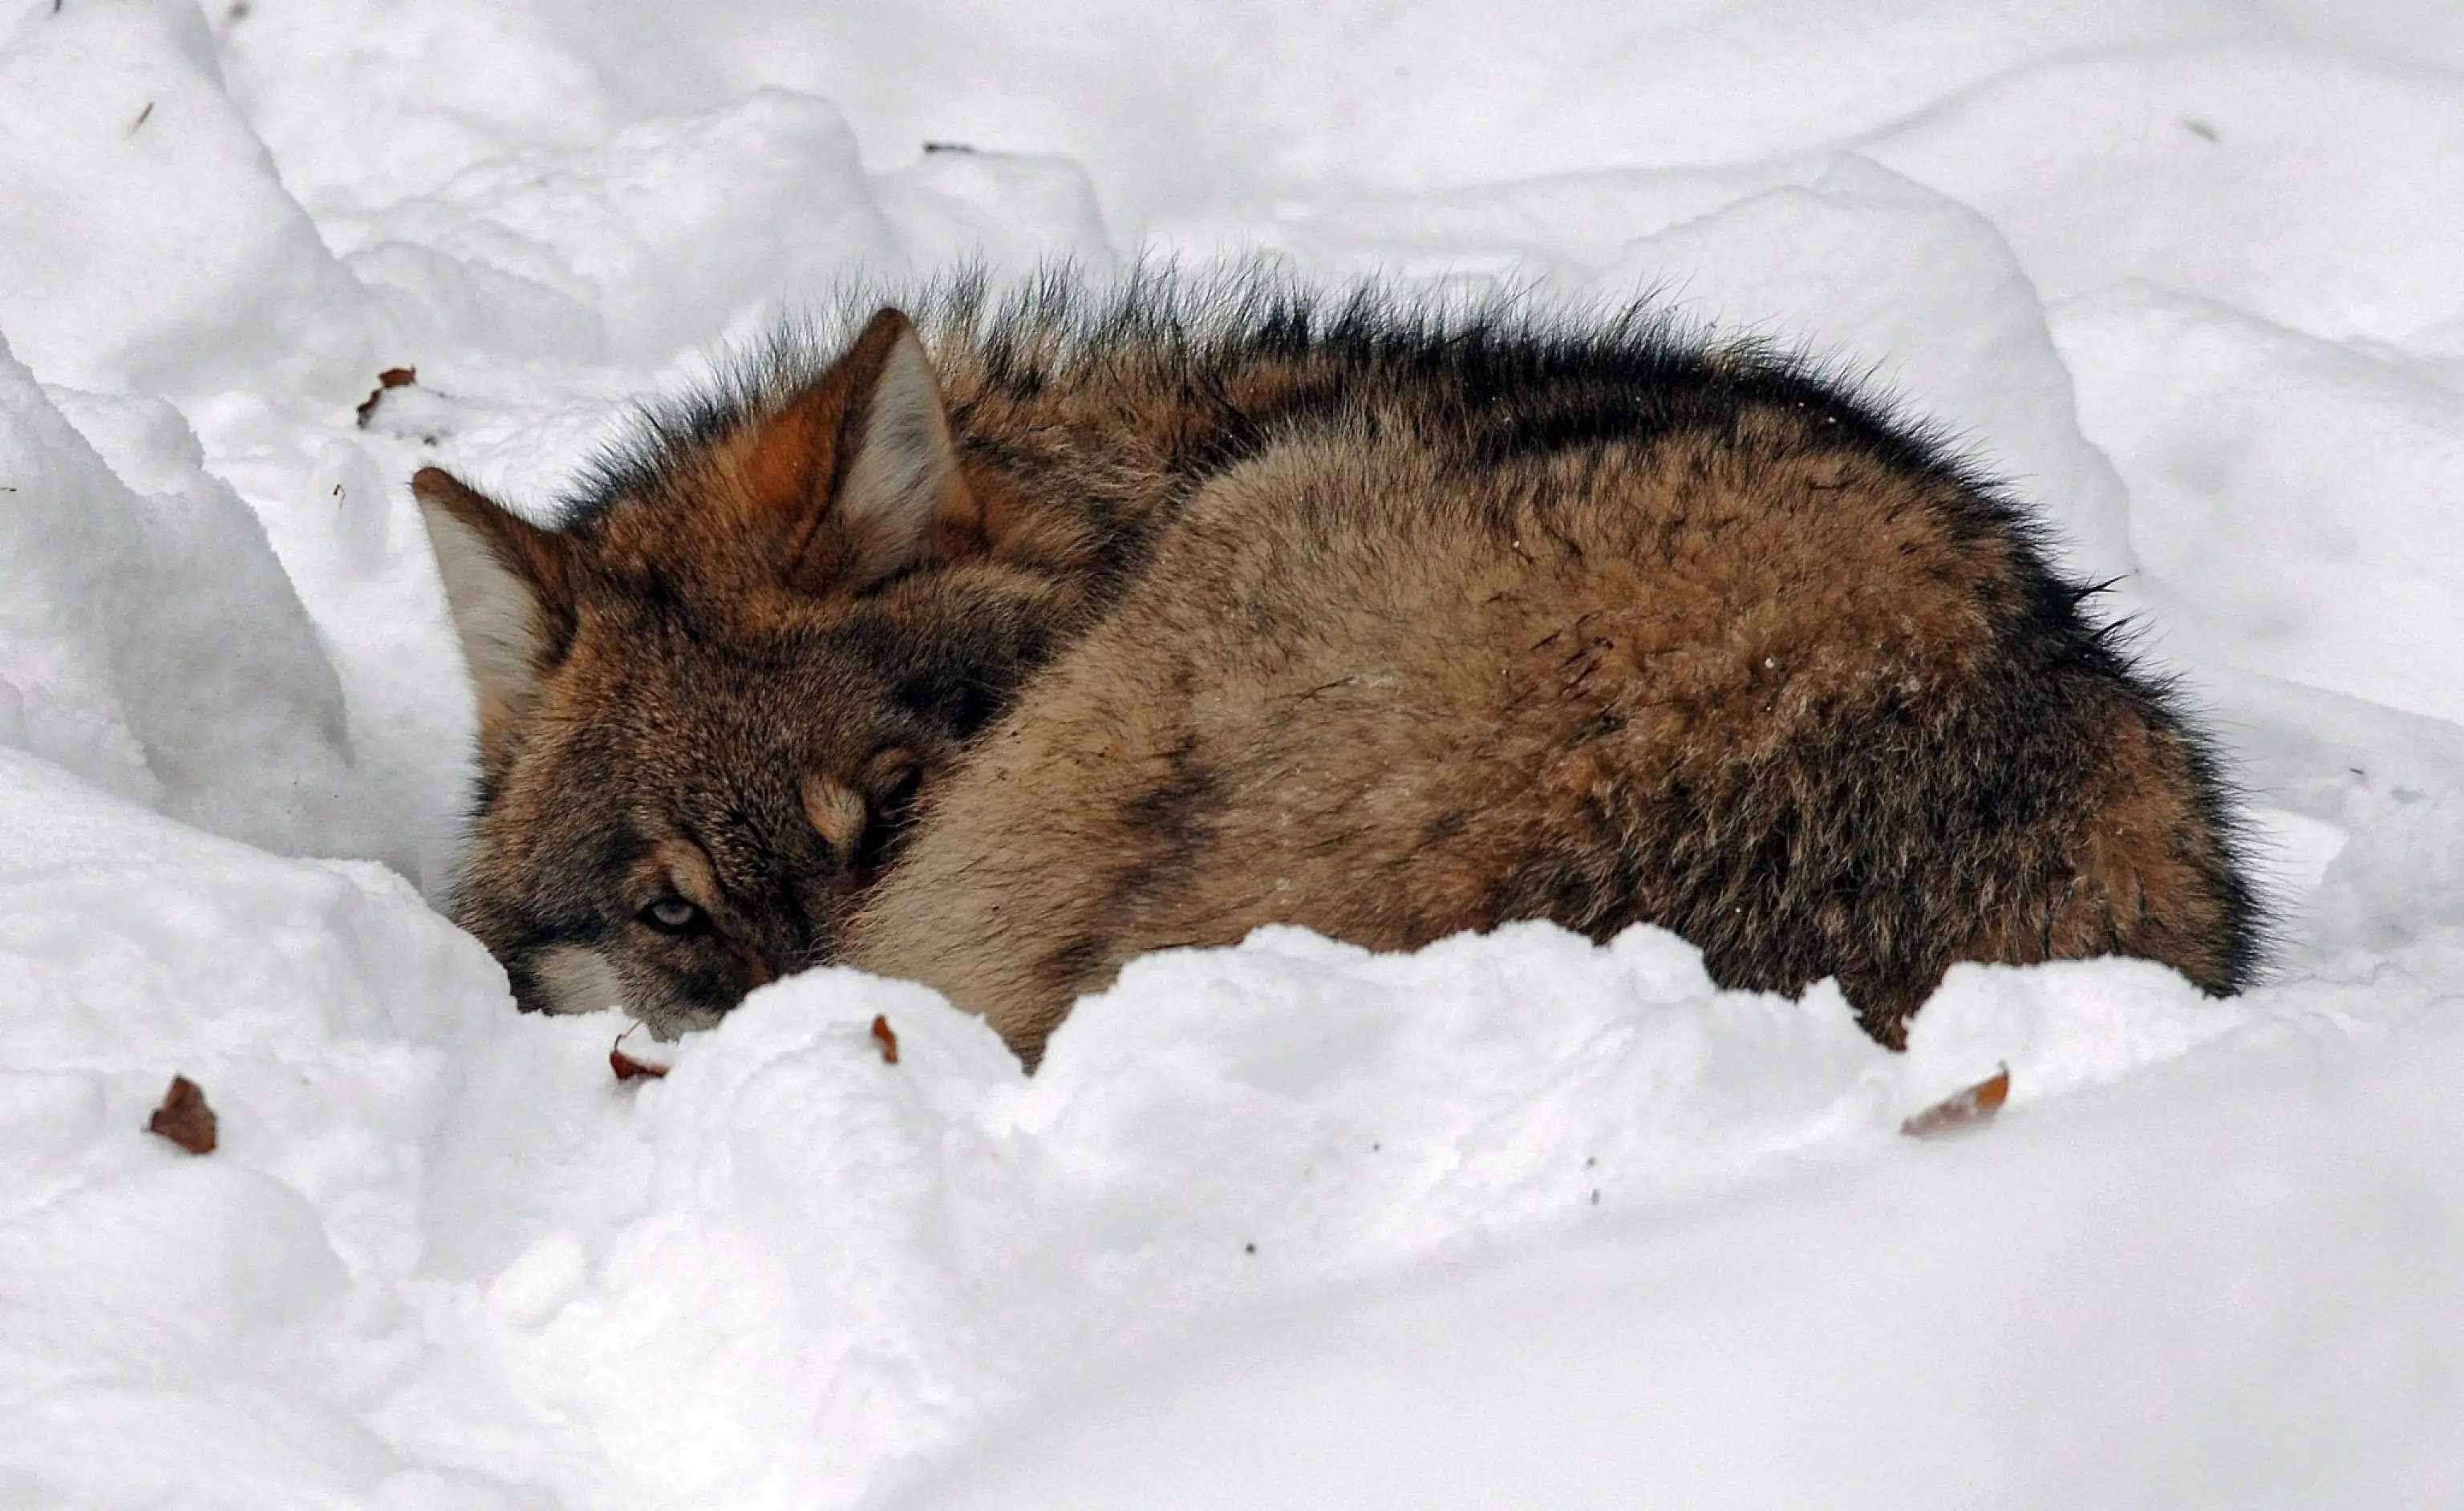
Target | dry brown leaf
(390,378)
(184,1118)
(887,1040)
(625,1066)
(1965,1113)
(628,1068)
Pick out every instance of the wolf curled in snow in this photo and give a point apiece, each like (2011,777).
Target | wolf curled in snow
(1073,625)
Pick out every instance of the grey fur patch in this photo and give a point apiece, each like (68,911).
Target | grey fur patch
(905,465)
(495,615)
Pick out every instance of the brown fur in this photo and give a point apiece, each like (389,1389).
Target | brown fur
(1358,621)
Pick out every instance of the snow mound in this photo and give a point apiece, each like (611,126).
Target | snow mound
(2296,494)
(440,1239)
(2170,168)
(149,642)
(2230,1283)
(145,239)
(669,231)
(185,1328)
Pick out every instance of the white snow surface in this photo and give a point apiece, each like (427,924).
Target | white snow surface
(1516,1221)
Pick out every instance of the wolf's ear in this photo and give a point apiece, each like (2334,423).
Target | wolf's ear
(509,586)
(898,470)
(856,472)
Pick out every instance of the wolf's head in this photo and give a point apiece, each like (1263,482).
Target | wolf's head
(706,709)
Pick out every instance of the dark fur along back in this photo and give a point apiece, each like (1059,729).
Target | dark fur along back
(1190,608)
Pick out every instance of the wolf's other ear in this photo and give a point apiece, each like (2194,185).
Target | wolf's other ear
(856,472)
(509,586)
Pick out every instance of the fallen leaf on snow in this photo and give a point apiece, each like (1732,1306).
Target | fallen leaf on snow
(390,378)
(633,1066)
(1965,1113)
(184,1118)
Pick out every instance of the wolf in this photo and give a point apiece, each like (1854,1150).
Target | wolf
(1030,634)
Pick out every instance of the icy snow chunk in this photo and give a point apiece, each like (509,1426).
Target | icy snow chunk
(150,642)
(1480,1080)
(144,240)
(794,1284)
(129,940)
(2060,1027)
(1921,297)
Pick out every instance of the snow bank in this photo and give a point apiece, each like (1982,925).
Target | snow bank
(145,239)
(2172,169)
(827,1265)
(2230,1283)
(500,184)
(185,1328)
(2297,494)
(669,230)
(1193,112)
(149,642)
(441,1245)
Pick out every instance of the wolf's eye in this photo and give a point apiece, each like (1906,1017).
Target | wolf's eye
(671,915)
(893,779)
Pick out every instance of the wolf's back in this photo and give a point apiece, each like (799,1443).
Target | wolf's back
(1746,665)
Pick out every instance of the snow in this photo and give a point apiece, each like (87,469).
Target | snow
(1514,1222)
(146,241)
(2295,486)
(2277,1328)
(150,642)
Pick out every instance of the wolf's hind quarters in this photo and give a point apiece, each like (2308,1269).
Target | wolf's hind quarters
(1844,745)
(997,651)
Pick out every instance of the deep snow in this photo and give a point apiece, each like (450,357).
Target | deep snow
(1515,1221)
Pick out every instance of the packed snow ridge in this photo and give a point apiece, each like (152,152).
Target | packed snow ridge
(1514,1221)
